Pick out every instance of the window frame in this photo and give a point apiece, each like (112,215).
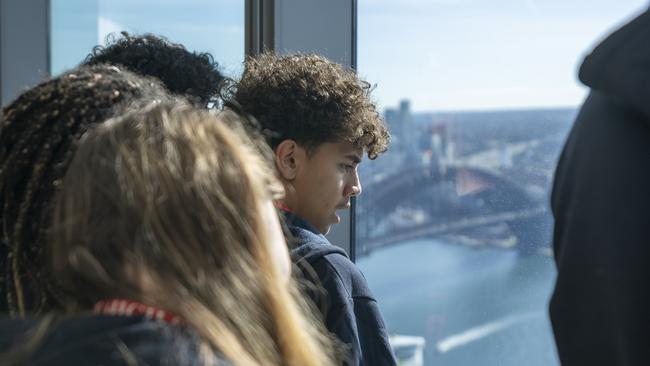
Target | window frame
(328,28)
(24,45)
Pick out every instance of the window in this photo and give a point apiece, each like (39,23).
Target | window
(214,26)
(453,226)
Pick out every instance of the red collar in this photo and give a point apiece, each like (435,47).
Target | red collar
(281,206)
(122,307)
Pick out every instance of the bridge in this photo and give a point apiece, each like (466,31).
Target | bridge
(457,200)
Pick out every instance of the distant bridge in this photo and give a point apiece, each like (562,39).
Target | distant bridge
(502,201)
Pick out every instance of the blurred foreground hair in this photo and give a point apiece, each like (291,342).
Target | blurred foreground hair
(38,137)
(164,206)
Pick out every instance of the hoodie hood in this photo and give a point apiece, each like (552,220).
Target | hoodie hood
(620,65)
(306,243)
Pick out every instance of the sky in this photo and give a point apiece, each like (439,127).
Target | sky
(481,54)
(441,54)
(215,26)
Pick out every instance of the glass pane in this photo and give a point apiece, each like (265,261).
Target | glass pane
(453,226)
(214,26)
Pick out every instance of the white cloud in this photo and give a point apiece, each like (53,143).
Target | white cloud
(106,26)
(402,3)
(532,6)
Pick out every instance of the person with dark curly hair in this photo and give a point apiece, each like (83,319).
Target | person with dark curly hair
(38,136)
(194,75)
(319,120)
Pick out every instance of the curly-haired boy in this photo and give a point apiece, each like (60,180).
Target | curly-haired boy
(319,120)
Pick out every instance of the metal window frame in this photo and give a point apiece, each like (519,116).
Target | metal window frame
(24,45)
(325,27)
(259,26)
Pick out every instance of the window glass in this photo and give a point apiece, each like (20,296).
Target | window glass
(214,26)
(453,226)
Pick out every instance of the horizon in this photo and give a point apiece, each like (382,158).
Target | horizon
(488,110)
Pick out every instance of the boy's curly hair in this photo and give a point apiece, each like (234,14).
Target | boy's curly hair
(193,75)
(39,131)
(309,99)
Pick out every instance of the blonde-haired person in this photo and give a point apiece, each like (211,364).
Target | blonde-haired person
(168,250)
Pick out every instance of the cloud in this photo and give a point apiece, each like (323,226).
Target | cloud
(106,26)
(418,3)
(532,6)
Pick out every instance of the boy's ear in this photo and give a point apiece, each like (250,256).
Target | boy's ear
(288,156)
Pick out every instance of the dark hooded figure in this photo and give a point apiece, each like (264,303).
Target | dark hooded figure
(600,309)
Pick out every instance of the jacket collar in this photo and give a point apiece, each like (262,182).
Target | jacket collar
(296,221)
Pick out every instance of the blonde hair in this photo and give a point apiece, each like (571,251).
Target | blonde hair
(175,192)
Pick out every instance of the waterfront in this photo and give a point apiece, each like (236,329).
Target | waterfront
(473,306)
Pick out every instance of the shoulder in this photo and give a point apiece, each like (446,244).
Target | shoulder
(338,271)
(108,340)
(309,248)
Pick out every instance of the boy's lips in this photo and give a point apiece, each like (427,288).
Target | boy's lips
(344,206)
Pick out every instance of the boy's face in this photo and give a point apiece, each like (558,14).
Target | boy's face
(325,182)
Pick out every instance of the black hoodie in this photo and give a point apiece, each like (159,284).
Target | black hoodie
(348,308)
(104,340)
(600,309)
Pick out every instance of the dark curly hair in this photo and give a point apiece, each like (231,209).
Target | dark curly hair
(193,75)
(38,136)
(309,99)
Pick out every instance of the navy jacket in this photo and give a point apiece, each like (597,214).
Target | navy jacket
(104,340)
(600,309)
(341,293)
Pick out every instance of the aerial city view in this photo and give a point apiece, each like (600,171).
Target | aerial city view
(454,231)
(475,178)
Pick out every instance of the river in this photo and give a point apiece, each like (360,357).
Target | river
(473,306)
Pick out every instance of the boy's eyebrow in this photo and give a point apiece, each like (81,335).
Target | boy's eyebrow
(354,158)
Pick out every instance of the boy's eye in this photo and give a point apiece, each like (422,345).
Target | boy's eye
(347,167)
